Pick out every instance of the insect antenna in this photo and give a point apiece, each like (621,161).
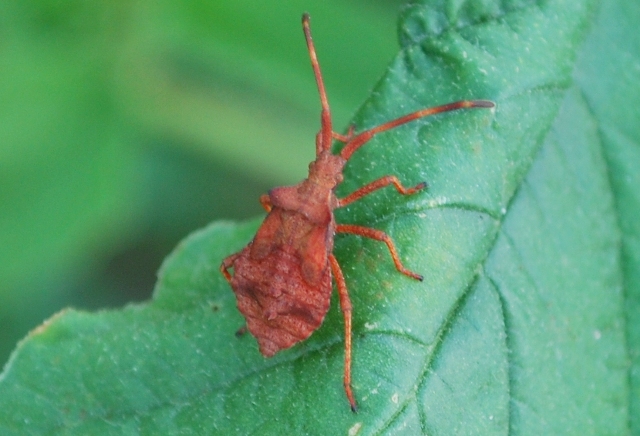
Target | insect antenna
(324,137)
(360,139)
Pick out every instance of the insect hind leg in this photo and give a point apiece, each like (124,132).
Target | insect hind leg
(226,264)
(345,306)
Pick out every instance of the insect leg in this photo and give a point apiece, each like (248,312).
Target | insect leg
(226,264)
(377,184)
(344,138)
(378,235)
(265,201)
(345,306)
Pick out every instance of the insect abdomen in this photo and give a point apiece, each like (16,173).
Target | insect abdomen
(280,306)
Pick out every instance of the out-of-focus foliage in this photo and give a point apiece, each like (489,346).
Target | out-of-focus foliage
(125,125)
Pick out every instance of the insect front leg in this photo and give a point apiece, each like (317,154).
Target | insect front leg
(265,201)
(344,138)
(345,306)
(377,184)
(379,235)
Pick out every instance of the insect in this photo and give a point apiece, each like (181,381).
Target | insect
(283,278)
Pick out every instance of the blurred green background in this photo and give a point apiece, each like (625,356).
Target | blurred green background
(125,125)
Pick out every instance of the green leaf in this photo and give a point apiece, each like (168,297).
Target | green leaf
(525,238)
(607,74)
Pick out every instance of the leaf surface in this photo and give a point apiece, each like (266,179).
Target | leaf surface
(519,325)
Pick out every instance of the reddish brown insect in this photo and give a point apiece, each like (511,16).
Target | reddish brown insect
(282,279)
